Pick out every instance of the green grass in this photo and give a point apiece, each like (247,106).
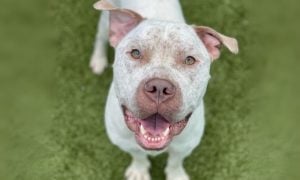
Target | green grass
(76,146)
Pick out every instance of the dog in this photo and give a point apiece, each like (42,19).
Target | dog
(160,74)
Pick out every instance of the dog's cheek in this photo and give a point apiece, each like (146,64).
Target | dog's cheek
(193,86)
(200,87)
(121,79)
(127,78)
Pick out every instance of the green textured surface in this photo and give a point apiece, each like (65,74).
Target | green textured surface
(244,103)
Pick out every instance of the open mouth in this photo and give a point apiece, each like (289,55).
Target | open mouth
(154,132)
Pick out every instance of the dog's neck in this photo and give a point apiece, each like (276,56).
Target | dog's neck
(168,10)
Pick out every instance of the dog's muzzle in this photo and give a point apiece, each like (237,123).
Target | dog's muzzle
(154,125)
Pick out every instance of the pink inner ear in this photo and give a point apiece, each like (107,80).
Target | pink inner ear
(212,44)
(121,23)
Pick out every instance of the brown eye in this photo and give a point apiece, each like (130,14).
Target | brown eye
(136,54)
(190,60)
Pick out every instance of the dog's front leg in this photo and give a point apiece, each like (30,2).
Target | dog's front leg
(174,169)
(98,60)
(139,167)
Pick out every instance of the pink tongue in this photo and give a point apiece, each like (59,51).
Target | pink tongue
(155,124)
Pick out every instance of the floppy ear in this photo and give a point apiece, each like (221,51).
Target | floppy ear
(121,21)
(213,41)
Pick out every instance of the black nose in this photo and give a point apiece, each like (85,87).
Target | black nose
(159,90)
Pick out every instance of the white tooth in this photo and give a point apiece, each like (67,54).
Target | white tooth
(155,139)
(162,137)
(142,129)
(166,132)
(145,136)
(148,138)
(158,139)
(152,139)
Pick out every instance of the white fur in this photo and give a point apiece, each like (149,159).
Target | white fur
(128,74)
(152,9)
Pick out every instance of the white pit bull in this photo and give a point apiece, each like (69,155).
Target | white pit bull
(161,70)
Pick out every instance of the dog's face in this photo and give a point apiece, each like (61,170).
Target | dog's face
(161,71)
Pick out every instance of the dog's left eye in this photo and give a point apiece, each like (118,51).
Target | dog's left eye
(136,54)
(190,60)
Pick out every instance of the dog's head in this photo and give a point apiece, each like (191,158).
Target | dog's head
(161,71)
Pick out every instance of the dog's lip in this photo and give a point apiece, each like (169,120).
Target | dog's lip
(151,138)
(187,117)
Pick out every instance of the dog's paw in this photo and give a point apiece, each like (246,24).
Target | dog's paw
(179,177)
(177,174)
(134,173)
(98,64)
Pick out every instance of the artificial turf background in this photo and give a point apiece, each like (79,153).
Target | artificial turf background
(241,140)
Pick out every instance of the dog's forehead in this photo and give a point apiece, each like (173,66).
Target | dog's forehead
(168,29)
(164,31)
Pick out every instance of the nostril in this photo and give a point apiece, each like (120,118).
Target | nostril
(150,88)
(153,89)
(166,91)
(169,91)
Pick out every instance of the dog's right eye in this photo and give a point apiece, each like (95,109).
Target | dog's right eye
(190,60)
(136,54)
